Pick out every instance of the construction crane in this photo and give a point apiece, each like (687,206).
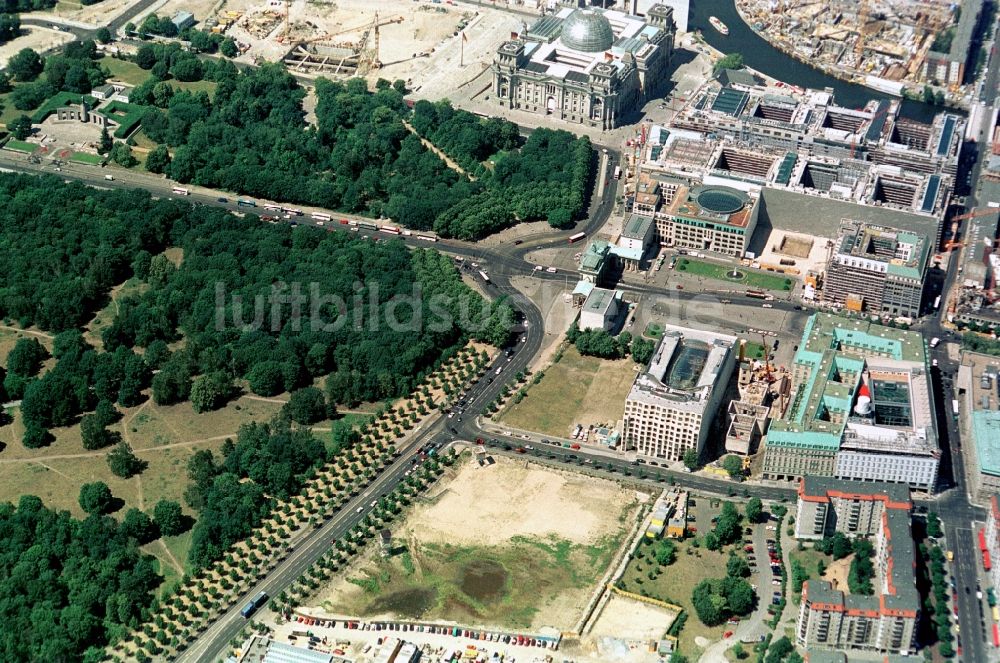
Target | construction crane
(366,27)
(854,136)
(369,54)
(983,211)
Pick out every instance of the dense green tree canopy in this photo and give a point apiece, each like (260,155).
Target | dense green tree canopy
(252,138)
(67,584)
(274,456)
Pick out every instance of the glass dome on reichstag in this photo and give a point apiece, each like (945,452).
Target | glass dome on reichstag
(588,31)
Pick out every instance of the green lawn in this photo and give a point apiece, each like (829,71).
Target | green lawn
(21,146)
(196,86)
(124,71)
(9,113)
(653,330)
(576,390)
(749,277)
(143,141)
(809,559)
(754,350)
(86,157)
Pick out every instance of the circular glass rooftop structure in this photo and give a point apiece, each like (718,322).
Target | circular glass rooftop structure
(588,31)
(720,199)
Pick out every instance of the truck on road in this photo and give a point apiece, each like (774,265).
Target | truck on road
(254,605)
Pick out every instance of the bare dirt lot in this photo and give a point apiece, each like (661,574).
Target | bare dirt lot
(629,619)
(505,545)
(39,39)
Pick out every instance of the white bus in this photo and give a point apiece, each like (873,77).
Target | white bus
(390,230)
(273,208)
(618,172)
(485,277)
(181,192)
(319,216)
(427,238)
(937,302)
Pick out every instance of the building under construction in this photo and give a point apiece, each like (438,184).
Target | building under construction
(331,54)
(877,270)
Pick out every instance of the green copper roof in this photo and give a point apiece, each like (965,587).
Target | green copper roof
(986,435)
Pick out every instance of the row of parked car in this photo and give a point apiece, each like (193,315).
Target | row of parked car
(455,631)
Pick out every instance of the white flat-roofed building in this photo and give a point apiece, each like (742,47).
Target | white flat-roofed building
(671,406)
(600,310)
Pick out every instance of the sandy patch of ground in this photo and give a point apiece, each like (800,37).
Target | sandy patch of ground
(808,252)
(838,571)
(534,502)
(629,619)
(39,39)
(537,539)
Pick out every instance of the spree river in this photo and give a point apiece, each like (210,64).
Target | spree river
(760,55)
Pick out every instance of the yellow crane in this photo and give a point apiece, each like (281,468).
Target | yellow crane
(367,46)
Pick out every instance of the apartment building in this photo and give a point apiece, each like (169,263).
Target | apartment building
(877,270)
(861,407)
(830,617)
(672,405)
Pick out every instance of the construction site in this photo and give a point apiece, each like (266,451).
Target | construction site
(392,39)
(884,44)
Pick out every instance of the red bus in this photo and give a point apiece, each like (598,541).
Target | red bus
(996,635)
(577,237)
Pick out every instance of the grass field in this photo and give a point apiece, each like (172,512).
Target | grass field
(196,86)
(675,585)
(124,71)
(86,157)
(578,389)
(497,585)
(7,111)
(21,146)
(750,278)
(654,330)
(754,350)
(133,74)
(142,140)
(809,559)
